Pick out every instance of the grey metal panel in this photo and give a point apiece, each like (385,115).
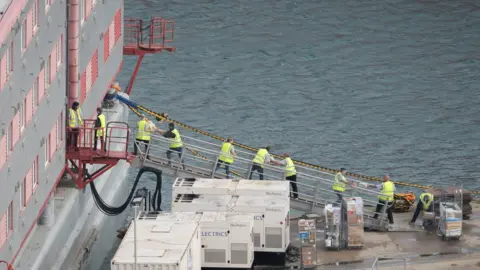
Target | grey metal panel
(91,38)
(28,66)
(12,34)
(23,222)
(101,85)
(48,111)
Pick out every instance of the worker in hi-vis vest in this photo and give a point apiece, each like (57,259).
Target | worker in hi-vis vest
(424,204)
(227,153)
(259,160)
(75,121)
(290,173)
(100,130)
(144,131)
(176,144)
(340,184)
(385,197)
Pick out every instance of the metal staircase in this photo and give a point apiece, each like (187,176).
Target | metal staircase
(200,159)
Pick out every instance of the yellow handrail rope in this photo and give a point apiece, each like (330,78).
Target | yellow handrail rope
(194,152)
(334,171)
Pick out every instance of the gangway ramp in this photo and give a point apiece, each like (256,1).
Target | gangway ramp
(201,159)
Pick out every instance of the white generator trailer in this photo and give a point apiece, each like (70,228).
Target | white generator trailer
(227,240)
(169,245)
(203,186)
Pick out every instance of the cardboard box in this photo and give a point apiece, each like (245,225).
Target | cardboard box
(355,236)
(309,256)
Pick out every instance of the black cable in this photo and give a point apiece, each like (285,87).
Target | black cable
(113,211)
(157,195)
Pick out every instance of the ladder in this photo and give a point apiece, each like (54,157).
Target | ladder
(199,158)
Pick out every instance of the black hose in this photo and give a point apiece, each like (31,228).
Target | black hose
(157,195)
(113,211)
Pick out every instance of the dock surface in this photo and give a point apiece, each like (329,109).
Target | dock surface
(421,249)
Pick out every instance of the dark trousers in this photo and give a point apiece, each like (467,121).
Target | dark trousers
(179,150)
(293,184)
(140,142)
(102,142)
(72,138)
(389,210)
(420,209)
(259,169)
(339,197)
(227,167)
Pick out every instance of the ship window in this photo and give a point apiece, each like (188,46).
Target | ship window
(23,40)
(10,217)
(22,193)
(22,115)
(35,94)
(59,128)
(47,71)
(9,60)
(35,15)
(9,137)
(34,173)
(82,10)
(59,50)
(47,150)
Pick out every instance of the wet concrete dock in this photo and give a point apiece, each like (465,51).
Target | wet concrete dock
(418,247)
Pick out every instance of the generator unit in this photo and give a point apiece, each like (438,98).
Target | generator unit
(160,245)
(203,186)
(169,216)
(265,188)
(227,240)
(271,231)
(201,203)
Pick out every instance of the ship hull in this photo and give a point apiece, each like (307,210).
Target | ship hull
(68,243)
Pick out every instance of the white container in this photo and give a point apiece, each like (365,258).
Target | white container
(332,226)
(271,231)
(201,203)
(263,188)
(451,220)
(227,240)
(203,186)
(168,216)
(168,245)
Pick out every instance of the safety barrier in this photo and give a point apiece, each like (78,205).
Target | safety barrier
(314,186)
(304,164)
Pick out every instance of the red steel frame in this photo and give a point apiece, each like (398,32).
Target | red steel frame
(154,38)
(83,153)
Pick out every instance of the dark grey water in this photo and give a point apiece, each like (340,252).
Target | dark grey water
(374,86)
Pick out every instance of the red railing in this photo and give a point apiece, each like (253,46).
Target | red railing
(132,32)
(116,133)
(161,32)
(153,36)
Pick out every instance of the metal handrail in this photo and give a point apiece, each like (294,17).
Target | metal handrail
(271,167)
(313,190)
(253,155)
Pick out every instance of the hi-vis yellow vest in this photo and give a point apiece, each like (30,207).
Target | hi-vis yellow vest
(225,155)
(75,118)
(177,141)
(100,131)
(143,133)
(290,167)
(260,157)
(425,203)
(339,185)
(387,191)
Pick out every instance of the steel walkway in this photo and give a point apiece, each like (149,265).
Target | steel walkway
(200,158)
